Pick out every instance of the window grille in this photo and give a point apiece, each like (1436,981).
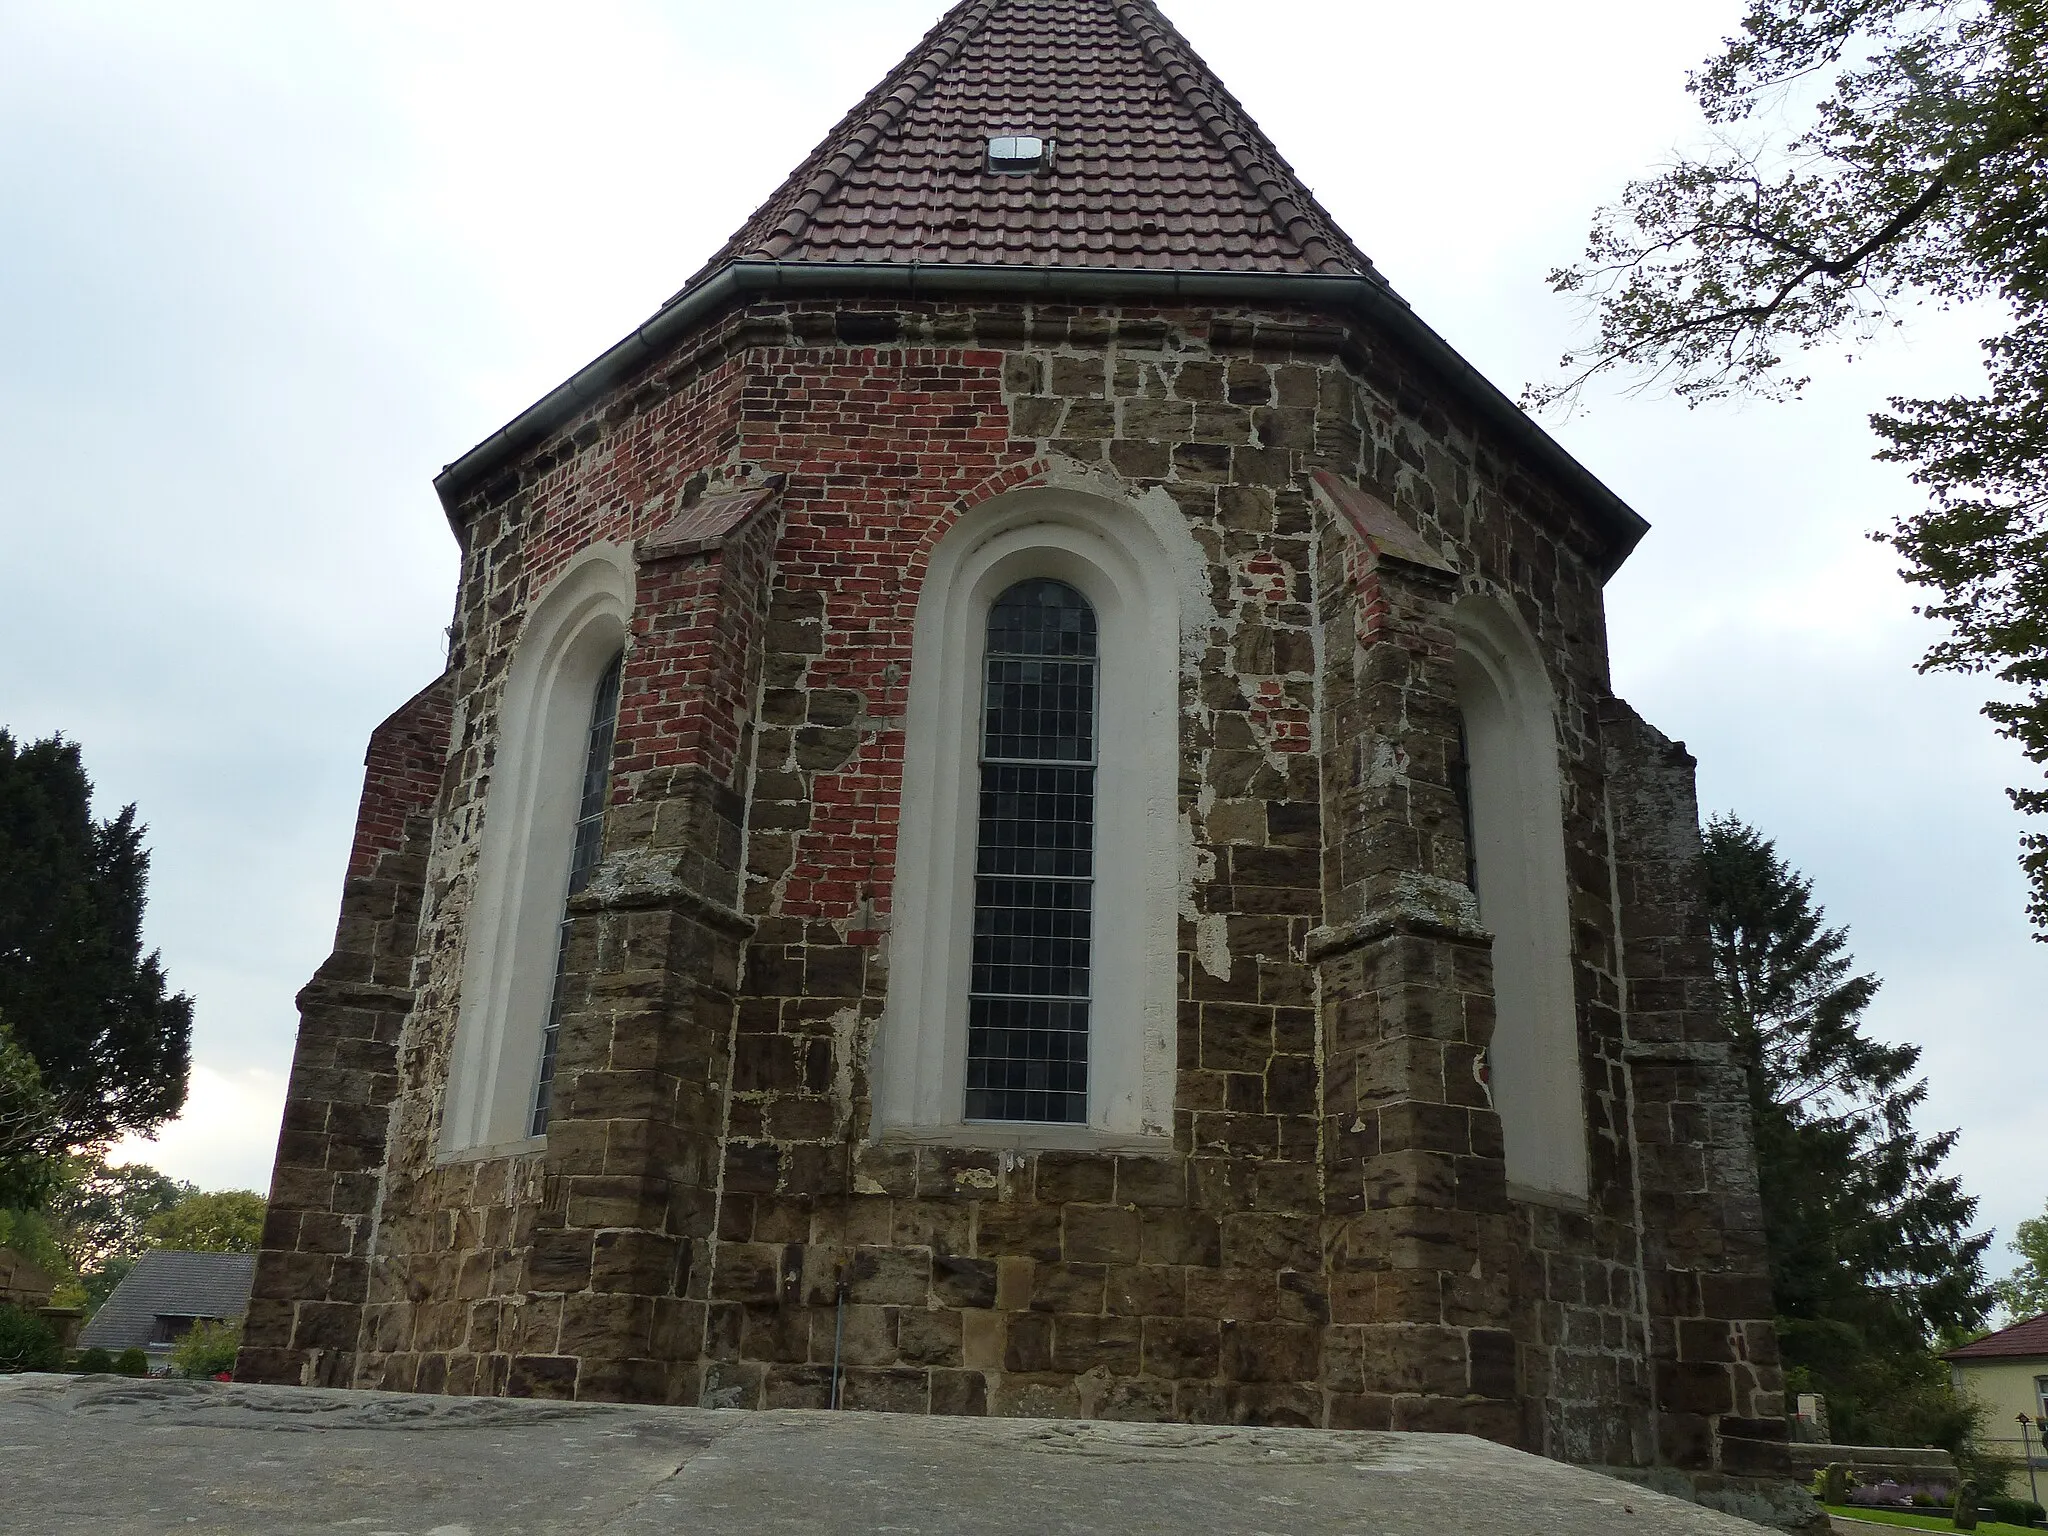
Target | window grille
(583,854)
(1028,996)
(1018,154)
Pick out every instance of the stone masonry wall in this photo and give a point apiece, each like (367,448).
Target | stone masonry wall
(1412,1151)
(22,1284)
(882,447)
(632,1158)
(1331,1239)
(305,1308)
(1719,1390)
(557,1270)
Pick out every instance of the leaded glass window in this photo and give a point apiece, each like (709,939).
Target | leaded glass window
(1461,788)
(583,854)
(1027,1008)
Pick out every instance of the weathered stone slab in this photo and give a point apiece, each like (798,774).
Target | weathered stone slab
(1875,1463)
(116,1457)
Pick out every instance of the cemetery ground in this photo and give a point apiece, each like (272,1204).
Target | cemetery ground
(1850,1517)
(116,1457)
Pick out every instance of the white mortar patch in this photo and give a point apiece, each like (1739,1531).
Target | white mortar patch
(1212,944)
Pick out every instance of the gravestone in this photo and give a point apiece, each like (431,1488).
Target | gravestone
(1810,1421)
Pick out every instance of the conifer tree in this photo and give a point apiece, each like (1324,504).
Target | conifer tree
(110,1044)
(1872,1257)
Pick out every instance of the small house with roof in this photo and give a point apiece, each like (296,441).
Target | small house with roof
(2007,1373)
(165,1296)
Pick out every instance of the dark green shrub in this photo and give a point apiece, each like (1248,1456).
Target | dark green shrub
(93,1362)
(131,1362)
(27,1343)
(2015,1511)
(209,1350)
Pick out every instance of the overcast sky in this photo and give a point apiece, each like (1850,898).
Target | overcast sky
(264,269)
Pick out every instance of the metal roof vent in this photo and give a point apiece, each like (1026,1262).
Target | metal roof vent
(1018,154)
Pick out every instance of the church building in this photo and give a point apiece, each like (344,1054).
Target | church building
(1027,817)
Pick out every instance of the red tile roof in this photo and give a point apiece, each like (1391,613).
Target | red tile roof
(2021,1340)
(1155,164)
(1158,180)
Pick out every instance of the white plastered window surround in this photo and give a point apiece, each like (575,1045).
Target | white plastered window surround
(570,635)
(1119,559)
(1517,809)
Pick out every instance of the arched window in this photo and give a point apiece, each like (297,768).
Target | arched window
(584,848)
(1512,800)
(1033,933)
(1461,786)
(1034,886)
(551,722)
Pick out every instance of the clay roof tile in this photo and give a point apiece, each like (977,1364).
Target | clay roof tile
(2023,1340)
(1154,163)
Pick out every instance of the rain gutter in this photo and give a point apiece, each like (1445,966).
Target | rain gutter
(742,281)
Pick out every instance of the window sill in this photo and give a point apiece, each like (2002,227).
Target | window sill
(1557,1200)
(520,1148)
(983,1136)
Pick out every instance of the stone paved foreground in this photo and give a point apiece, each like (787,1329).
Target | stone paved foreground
(111,1456)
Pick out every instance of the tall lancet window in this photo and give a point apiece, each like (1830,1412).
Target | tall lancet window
(583,855)
(1461,786)
(1511,798)
(1028,993)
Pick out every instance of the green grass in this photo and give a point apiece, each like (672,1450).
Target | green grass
(1925,1520)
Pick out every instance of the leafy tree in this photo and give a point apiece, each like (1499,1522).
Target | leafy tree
(98,1283)
(1919,173)
(207,1351)
(28,1128)
(1872,1258)
(226,1221)
(2024,1293)
(98,1219)
(101,1214)
(111,1046)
